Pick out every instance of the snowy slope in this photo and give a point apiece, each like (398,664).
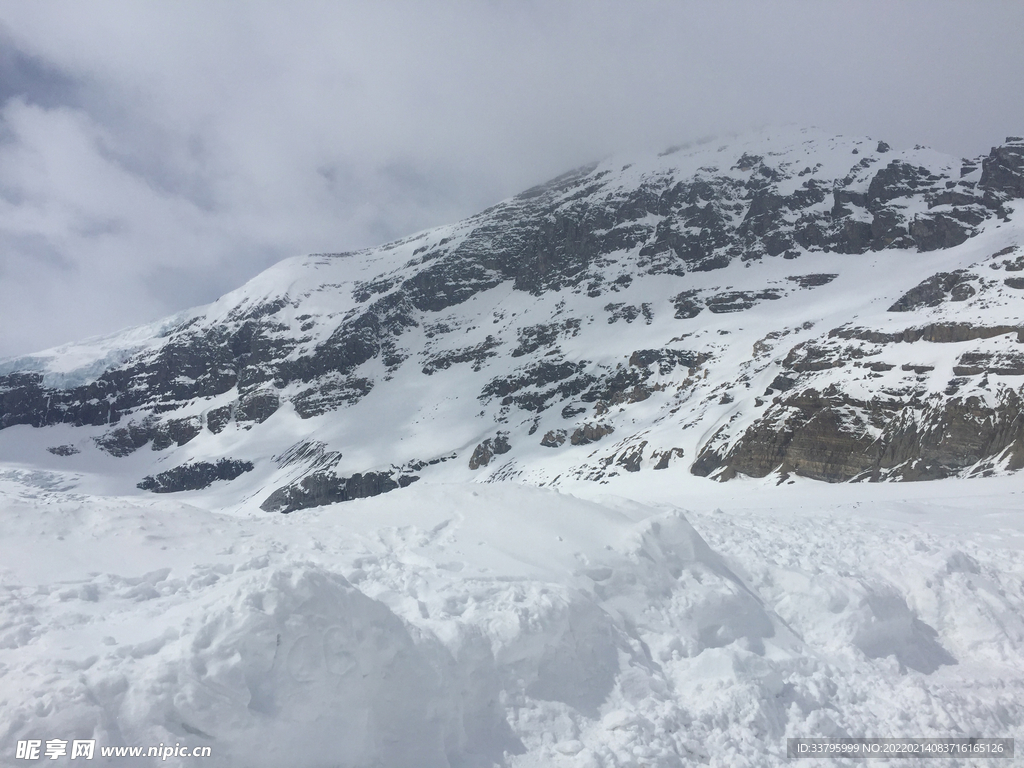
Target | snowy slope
(788,303)
(497,443)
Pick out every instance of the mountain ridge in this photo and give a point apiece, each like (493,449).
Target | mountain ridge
(716,309)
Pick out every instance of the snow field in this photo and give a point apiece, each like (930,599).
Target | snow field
(453,625)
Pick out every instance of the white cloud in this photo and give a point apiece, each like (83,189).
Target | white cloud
(155,155)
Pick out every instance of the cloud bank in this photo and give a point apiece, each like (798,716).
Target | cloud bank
(154,156)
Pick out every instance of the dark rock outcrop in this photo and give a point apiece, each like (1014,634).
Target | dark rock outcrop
(1003,364)
(488,449)
(534,386)
(328,394)
(1003,170)
(129,438)
(628,312)
(554,438)
(941,333)
(195,476)
(218,418)
(257,406)
(937,231)
(664,457)
(323,487)
(813,281)
(535,337)
(940,287)
(687,305)
(737,301)
(830,436)
(631,458)
(590,433)
(63,450)
(918,369)
(667,360)
(476,355)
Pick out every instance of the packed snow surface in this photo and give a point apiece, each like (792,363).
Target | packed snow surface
(500,624)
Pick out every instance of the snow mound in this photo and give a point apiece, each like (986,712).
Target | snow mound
(489,625)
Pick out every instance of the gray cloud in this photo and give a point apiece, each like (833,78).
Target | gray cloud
(154,155)
(32,78)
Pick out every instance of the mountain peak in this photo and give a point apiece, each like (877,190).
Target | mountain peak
(773,303)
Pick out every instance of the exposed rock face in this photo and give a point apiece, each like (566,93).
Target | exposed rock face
(476,355)
(218,418)
(999,363)
(937,231)
(257,406)
(628,312)
(193,477)
(664,457)
(940,287)
(813,281)
(488,449)
(127,439)
(134,435)
(176,431)
(828,436)
(737,301)
(534,386)
(63,450)
(590,433)
(324,487)
(631,458)
(544,336)
(1003,170)
(328,395)
(554,438)
(940,333)
(686,305)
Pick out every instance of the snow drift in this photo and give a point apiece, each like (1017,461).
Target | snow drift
(496,625)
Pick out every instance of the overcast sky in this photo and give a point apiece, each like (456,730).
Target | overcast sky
(156,155)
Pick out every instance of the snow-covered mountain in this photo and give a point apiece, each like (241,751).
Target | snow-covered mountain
(787,302)
(771,310)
